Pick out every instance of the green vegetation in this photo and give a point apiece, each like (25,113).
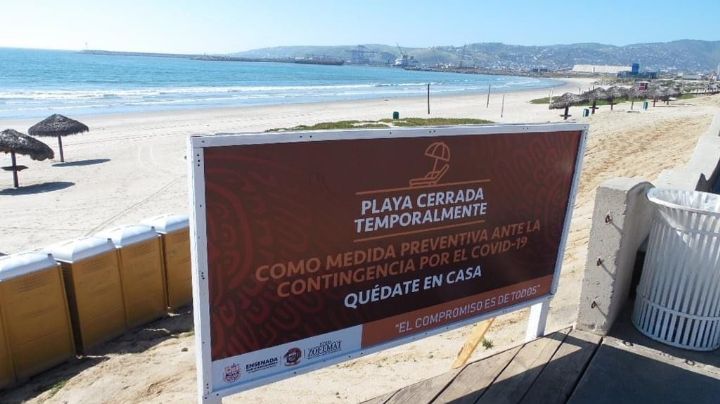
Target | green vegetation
(383,123)
(332,125)
(544,100)
(487,344)
(435,121)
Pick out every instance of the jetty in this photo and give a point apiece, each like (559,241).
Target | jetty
(310,60)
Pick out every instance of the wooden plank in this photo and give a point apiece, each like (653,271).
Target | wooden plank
(476,377)
(424,391)
(521,372)
(477,334)
(558,379)
(380,399)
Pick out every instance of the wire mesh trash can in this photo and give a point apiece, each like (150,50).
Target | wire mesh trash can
(138,250)
(175,235)
(92,281)
(678,298)
(35,313)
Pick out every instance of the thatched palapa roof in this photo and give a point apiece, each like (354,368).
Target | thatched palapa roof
(566,100)
(616,92)
(658,93)
(12,141)
(636,93)
(57,125)
(597,94)
(675,91)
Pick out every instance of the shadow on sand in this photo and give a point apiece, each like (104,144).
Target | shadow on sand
(174,326)
(81,163)
(37,188)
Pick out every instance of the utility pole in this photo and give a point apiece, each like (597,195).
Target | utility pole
(428,98)
(487,105)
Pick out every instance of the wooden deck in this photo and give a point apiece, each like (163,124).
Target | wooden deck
(577,367)
(545,370)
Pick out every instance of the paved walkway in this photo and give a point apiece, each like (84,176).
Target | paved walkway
(577,367)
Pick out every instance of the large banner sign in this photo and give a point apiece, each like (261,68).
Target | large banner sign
(312,248)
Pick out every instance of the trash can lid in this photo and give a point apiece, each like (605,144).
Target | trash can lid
(168,223)
(12,266)
(125,235)
(75,250)
(693,201)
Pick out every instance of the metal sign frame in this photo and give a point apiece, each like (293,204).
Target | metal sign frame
(198,239)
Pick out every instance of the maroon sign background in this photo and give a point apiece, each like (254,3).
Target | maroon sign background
(282,203)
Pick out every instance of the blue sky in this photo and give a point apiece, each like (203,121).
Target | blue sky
(220,26)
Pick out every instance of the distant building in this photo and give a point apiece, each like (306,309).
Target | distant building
(635,73)
(601,69)
(641,75)
(690,76)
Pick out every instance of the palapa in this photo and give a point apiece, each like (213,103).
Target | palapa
(596,94)
(635,93)
(615,93)
(58,125)
(675,92)
(12,141)
(656,92)
(566,100)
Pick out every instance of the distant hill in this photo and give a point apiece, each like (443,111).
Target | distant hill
(683,55)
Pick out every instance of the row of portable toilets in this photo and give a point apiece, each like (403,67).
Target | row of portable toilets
(72,296)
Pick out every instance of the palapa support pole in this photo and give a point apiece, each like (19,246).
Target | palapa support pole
(502,106)
(566,115)
(611,104)
(14,169)
(476,335)
(594,107)
(654,101)
(62,158)
(487,104)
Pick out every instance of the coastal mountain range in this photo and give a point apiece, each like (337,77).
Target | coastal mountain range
(692,56)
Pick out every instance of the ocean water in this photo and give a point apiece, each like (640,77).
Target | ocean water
(36,83)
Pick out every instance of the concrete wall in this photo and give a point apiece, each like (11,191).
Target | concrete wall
(703,169)
(621,223)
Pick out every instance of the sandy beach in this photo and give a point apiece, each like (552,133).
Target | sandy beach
(133,166)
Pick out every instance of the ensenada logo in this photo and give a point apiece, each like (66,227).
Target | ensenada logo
(325,348)
(232,373)
(292,356)
(261,365)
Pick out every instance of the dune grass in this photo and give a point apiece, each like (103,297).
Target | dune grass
(383,123)
(435,121)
